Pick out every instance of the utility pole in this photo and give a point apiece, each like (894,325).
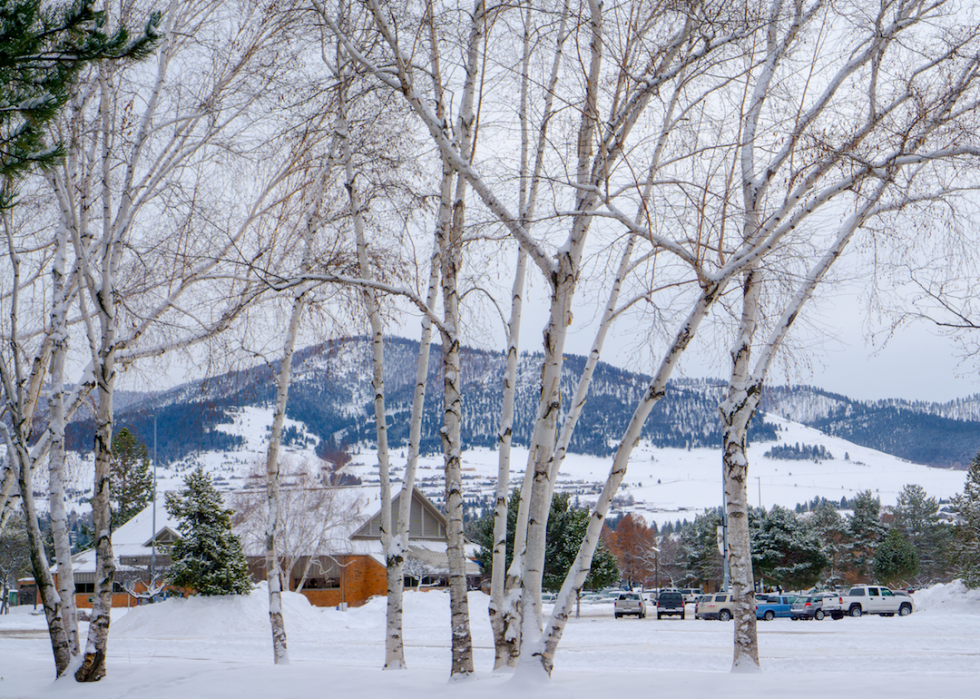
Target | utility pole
(153,540)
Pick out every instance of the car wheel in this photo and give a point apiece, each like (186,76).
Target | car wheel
(888,615)
(818,615)
(855,611)
(724,615)
(642,616)
(683,617)
(659,615)
(905,610)
(617,615)
(769,616)
(837,616)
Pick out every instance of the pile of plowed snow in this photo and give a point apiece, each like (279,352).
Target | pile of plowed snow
(951,598)
(210,617)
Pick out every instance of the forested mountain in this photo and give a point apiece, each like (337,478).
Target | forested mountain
(937,434)
(331,393)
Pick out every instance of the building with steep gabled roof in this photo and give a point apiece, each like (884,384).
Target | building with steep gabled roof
(347,568)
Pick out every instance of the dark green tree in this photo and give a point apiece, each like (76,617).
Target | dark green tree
(566,529)
(831,529)
(895,559)
(785,551)
(966,532)
(917,517)
(208,557)
(700,545)
(43,48)
(130,479)
(15,557)
(864,530)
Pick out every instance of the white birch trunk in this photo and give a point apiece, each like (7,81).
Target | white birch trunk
(50,600)
(462,644)
(506,633)
(541,654)
(273,564)
(563,282)
(396,588)
(56,454)
(93,664)
(736,412)
(393,551)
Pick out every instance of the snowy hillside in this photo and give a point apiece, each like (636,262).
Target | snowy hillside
(662,484)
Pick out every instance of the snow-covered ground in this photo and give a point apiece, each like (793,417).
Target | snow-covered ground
(664,484)
(216,648)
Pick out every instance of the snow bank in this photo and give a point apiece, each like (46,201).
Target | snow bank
(948,598)
(218,617)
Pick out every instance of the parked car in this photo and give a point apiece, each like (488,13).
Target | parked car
(691,594)
(772,606)
(718,606)
(874,599)
(630,603)
(817,606)
(670,604)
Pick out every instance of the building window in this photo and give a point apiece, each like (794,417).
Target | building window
(319,584)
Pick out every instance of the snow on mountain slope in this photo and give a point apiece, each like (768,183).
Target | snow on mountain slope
(661,484)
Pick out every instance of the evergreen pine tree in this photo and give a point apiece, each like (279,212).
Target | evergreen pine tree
(43,47)
(917,517)
(566,530)
(130,479)
(785,551)
(830,528)
(966,532)
(865,530)
(895,559)
(208,558)
(700,545)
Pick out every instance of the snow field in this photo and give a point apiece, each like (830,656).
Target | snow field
(221,647)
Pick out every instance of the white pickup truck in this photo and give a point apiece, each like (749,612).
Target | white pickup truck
(874,599)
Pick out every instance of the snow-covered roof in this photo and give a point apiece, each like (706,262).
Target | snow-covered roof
(346,512)
(133,540)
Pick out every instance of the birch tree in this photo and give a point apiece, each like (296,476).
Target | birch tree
(45,51)
(600,147)
(133,166)
(885,156)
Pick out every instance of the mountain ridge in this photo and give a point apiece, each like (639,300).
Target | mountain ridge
(331,393)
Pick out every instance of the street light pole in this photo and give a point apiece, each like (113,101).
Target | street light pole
(153,540)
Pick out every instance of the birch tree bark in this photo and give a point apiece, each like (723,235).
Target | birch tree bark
(56,456)
(877,108)
(50,601)
(273,564)
(394,653)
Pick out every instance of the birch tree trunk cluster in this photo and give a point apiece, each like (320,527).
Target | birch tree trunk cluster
(313,168)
